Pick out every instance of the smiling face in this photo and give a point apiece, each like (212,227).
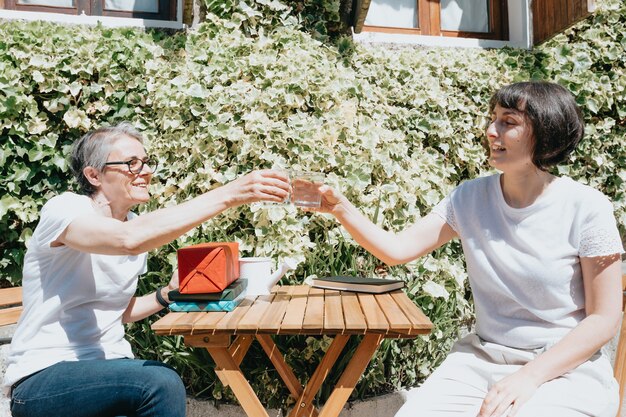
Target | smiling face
(122,188)
(510,140)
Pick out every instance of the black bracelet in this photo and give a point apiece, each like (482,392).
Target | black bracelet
(160,299)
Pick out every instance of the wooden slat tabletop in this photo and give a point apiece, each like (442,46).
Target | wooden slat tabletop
(294,316)
(10,296)
(276,312)
(10,315)
(419,322)
(252,319)
(208,322)
(333,312)
(314,314)
(376,320)
(186,322)
(353,313)
(305,310)
(165,325)
(393,312)
(228,323)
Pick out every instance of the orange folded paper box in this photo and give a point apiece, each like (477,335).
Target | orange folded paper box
(207,267)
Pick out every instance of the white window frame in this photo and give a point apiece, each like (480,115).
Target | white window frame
(520,33)
(108,21)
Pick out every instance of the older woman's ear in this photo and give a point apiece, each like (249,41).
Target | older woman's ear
(92,175)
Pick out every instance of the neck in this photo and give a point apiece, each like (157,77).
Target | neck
(522,189)
(105,207)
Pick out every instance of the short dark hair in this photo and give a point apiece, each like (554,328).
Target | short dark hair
(556,119)
(92,150)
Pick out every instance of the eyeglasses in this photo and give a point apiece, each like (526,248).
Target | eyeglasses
(135,165)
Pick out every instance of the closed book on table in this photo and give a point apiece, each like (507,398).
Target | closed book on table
(207,267)
(358,284)
(194,306)
(229,293)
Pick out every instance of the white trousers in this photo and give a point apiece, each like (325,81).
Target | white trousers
(458,387)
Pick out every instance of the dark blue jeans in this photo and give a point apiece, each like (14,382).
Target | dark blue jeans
(101,388)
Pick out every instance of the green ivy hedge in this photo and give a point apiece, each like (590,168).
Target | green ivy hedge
(394,128)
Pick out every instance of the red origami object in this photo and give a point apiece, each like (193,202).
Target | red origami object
(207,267)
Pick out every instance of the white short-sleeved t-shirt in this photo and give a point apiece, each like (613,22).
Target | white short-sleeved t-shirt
(73,300)
(524,264)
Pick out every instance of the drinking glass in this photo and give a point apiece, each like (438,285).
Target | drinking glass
(305,188)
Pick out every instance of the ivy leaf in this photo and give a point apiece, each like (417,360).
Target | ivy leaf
(8,202)
(435,290)
(593,105)
(75,118)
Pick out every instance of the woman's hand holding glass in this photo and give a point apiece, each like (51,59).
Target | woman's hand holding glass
(330,202)
(263,185)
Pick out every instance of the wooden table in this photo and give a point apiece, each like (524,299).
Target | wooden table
(302,310)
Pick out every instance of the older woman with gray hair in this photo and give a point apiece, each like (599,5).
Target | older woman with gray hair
(69,355)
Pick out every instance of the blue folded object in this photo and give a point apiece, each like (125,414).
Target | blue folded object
(192,306)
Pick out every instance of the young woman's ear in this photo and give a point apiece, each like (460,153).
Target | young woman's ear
(92,175)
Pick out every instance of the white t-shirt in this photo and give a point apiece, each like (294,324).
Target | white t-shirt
(73,301)
(524,264)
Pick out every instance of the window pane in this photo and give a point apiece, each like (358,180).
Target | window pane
(147,6)
(392,13)
(53,3)
(465,15)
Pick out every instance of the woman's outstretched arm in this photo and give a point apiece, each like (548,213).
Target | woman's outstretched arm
(426,235)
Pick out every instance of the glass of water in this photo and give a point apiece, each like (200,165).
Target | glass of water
(305,188)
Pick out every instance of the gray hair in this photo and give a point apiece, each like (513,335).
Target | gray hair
(93,149)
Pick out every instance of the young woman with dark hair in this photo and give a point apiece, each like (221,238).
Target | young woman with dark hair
(543,259)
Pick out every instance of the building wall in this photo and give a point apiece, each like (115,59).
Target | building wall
(552,16)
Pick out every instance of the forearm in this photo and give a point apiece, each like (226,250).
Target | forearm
(426,235)
(141,307)
(152,230)
(377,241)
(574,349)
(112,237)
(603,302)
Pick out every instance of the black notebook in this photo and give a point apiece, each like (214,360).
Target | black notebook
(229,293)
(358,284)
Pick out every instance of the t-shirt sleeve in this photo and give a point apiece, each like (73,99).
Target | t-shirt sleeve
(599,234)
(445,210)
(57,214)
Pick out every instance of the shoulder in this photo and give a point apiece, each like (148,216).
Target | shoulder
(66,203)
(67,197)
(475,188)
(589,206)
(581,194)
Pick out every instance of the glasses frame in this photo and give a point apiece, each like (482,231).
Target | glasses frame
(150,162)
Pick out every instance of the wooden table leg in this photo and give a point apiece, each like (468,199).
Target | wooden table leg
(240,347)
(285,372)
(304,406)
(208,340)
(237,350)
(237,382)
(351,375)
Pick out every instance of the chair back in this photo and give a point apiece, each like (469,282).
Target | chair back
(620,353)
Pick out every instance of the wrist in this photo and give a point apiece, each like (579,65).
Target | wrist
(533,373)
(222,198)
(342,209)
(162,297)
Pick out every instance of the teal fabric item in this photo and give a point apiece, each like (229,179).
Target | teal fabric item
(193,306)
